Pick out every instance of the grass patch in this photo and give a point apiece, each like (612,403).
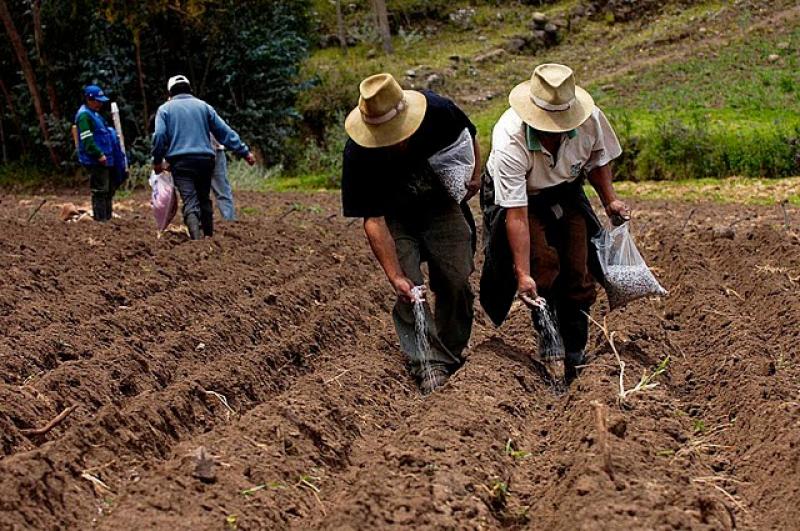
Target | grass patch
(737,190)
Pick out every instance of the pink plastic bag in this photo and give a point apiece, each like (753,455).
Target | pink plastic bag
(164,199)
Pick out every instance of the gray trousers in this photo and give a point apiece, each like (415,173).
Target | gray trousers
(445,243)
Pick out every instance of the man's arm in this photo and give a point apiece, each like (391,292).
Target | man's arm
(87,138)
(601,180)
(382,243)
(474,185)
(228,137)
(519,240)
(160,142)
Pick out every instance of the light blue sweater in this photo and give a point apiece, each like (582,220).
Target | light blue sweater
(183,125)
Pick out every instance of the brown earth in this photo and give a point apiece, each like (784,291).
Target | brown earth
(270,351)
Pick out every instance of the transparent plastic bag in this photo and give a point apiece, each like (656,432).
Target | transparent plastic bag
(455,164)
(627,276)
(164,198)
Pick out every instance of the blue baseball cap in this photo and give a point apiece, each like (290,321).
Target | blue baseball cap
(93,92)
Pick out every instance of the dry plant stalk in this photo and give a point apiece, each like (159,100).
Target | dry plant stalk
(601,424)
(645,382)
(52,424)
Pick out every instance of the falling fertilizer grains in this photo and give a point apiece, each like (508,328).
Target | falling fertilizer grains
(423,347)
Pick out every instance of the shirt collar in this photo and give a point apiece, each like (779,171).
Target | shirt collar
(533,141)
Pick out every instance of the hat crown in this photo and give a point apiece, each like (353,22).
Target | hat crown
(553,85)
(381,94)
(174,80)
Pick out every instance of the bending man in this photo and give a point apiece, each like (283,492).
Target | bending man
(409,218)
(538,220)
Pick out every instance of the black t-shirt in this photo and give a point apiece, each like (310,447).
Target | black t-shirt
(380,182)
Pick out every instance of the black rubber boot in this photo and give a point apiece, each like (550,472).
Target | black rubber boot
(572,363)
(207,222)
(99,207)
(109,207)
(193,224)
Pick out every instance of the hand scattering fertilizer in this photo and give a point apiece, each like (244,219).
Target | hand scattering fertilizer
(627,276)
(551,345)
(423,347)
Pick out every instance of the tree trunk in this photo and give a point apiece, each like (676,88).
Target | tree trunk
(30,78)
(38,37)
(137,43)
(382,17)
(3,140)
(340,26)
(14,115)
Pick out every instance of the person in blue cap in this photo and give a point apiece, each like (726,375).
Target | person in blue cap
(99,152)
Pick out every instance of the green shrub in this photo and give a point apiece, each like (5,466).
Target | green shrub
(692,149)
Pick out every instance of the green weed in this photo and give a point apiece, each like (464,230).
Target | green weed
(511,450)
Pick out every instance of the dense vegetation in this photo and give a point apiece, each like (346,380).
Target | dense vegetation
(695,88)
(241,56)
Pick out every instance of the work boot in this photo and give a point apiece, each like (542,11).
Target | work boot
(572,362)
(193,224)
(99,207)
(109,207)
(432,378)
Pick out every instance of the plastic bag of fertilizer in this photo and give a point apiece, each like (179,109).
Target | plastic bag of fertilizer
(164,198)
(627,276)
(455,164)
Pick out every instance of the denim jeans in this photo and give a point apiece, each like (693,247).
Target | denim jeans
(445,243)
(192,176)
(222,188)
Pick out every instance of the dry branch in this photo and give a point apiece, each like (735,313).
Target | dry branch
(50,425)
(601,424)
(36,210)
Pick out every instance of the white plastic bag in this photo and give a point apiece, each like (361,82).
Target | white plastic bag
(455,164)
(627,276)
(164,198)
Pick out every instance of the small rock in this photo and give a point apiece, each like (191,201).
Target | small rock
(199,347)
(584,485)
(773,58)
(539,20)
(551,28)
(204,466)
(618,427)
(411,73)
(726,233)
(372,53)
(482,38)
(434,81)
(490,55)
(515,45)
(783,45)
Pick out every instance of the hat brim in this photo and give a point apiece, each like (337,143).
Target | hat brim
(101,99)
(399,128)
(550,121)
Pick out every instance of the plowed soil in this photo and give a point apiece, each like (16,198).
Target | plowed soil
(270,350)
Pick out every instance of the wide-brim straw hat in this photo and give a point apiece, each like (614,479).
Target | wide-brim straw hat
(551,101)
(386,114)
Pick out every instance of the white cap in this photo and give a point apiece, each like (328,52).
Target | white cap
(174,80)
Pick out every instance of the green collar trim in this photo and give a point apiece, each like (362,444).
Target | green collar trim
(533,141)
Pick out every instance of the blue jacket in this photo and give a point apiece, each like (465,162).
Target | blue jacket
(104,136)
(183,125)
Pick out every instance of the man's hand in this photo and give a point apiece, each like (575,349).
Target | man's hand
(473,187)
(618,212)
(526,287)
(103,160)
(250,158)
(158,167)
(403,286)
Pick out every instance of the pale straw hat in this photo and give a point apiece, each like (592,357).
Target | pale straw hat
(550,101)
(386,114)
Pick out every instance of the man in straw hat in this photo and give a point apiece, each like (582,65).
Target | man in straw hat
(409,218)
(538,220)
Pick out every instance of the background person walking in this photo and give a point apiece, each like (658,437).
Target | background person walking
(182,137)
